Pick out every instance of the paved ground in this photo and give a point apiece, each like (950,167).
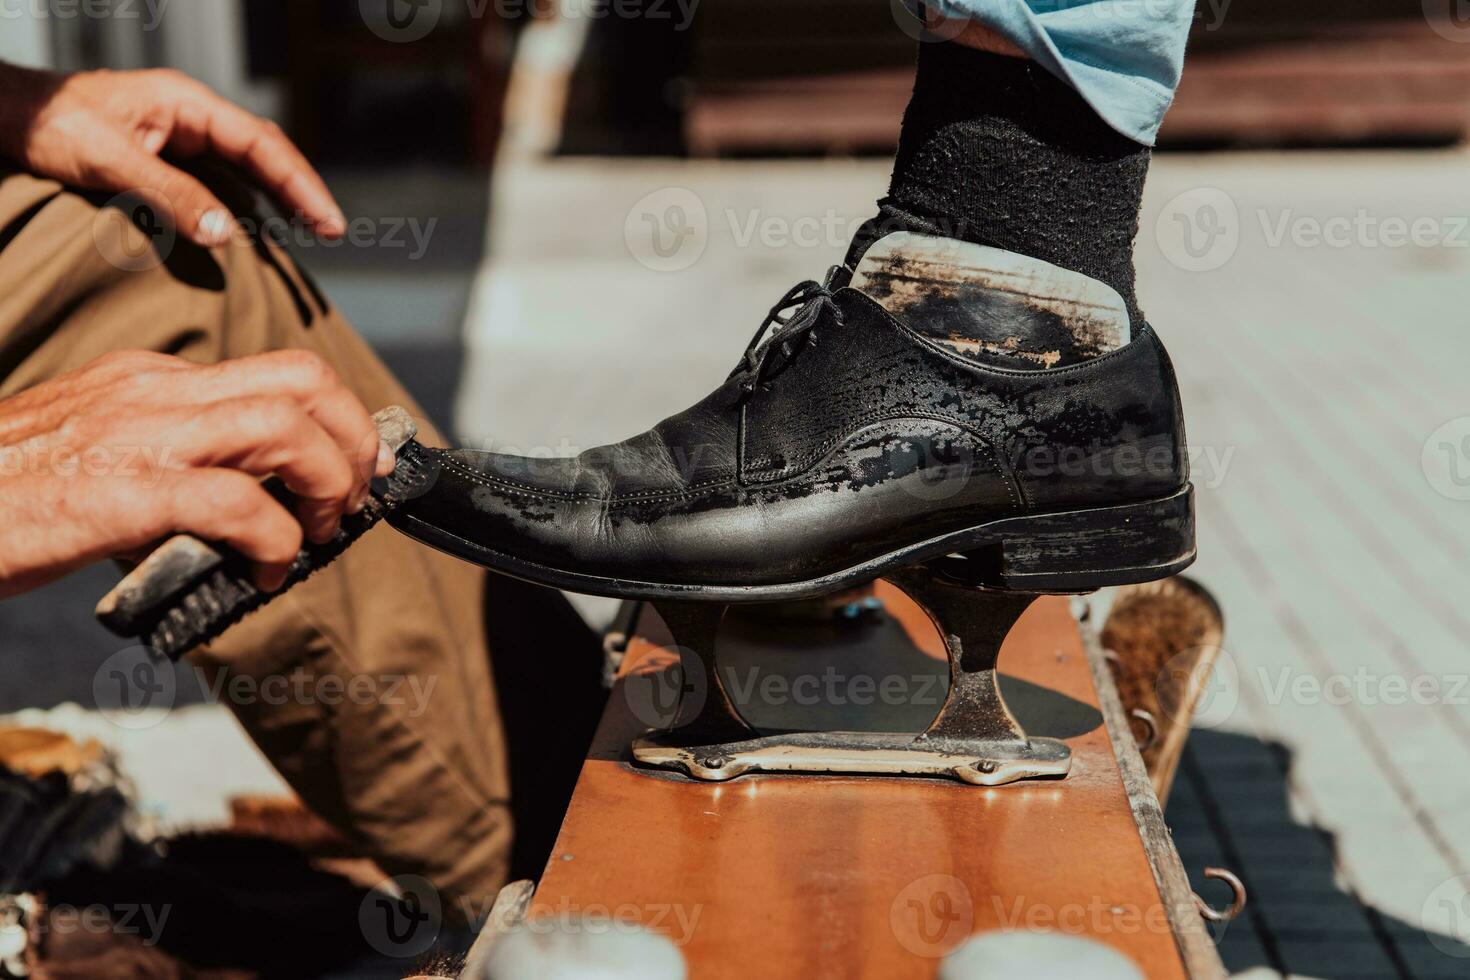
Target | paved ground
(1320,374)
(1316,311)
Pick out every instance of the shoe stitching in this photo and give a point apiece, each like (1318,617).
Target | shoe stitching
(712,486)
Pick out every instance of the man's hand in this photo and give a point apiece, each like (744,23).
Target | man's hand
(135,446)
(104,130)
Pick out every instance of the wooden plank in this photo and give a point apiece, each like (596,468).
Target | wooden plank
(1198,949)
(834,876)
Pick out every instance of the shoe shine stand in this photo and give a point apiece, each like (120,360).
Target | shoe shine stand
(973,738)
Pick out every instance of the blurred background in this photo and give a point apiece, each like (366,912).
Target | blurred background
(568,216)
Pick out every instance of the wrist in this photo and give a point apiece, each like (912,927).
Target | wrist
(25,90)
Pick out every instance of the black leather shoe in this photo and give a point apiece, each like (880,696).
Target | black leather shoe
(942,399)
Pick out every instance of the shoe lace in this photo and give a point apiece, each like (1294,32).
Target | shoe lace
(810,300)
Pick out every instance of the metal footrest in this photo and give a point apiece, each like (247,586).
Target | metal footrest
(977,761)
(974,738)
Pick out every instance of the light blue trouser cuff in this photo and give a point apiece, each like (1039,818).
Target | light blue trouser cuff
(1123,56)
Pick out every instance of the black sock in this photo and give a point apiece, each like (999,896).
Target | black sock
(998,151)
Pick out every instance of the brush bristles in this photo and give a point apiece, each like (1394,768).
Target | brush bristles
(227,594)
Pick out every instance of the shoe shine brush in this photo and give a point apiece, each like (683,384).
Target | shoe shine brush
(187,592)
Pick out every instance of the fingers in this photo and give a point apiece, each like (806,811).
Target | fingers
(202,121)
(230,506)
(285,414)
(173,447)
(264,436)
(43,408)
(196,212)
(387,461)
(310,381)
(206,121)
(275,436)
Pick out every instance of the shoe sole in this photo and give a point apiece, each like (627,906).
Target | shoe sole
(1067,552)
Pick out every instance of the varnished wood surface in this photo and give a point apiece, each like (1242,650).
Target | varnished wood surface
(814,876)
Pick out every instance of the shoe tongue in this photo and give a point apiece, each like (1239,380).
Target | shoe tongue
(990,304)
(837,277)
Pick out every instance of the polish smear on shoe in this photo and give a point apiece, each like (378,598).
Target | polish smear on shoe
(991,305)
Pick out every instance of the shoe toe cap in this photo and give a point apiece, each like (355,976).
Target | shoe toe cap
(536,509)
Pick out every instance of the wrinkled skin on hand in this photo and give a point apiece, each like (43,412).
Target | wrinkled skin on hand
(118,131)
(110,458)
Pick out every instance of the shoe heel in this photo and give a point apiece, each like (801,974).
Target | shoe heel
(1083,550)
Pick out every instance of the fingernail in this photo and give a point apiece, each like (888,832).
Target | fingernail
(387,459)
(321,535)
(214,228)
(333,225)
(270,579)
(357,503)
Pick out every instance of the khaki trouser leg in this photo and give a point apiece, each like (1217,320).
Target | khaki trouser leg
(397,739)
